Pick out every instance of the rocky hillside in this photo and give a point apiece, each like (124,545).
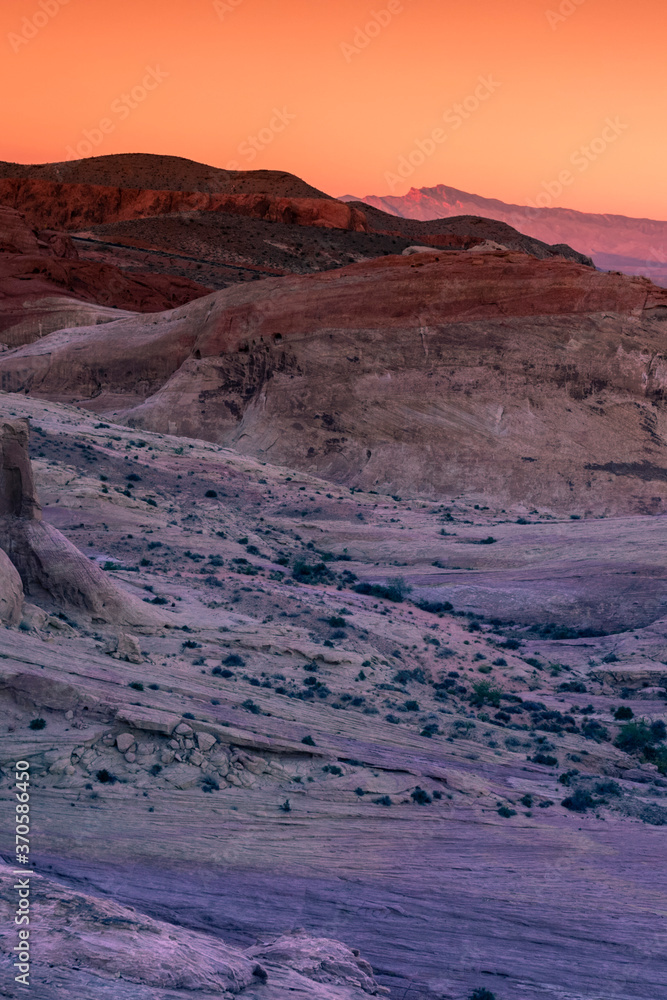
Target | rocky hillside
(489,374)
(615,242)
(148,171)
(307,735)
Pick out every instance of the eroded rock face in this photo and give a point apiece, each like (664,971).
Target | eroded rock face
(72,206)
(18,498)
(47,561)
(39,267)
(90,944)
(11,592)
(432,373)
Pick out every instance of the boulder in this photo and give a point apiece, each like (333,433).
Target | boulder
(149,719)
(124,741)
(125,647)
(321,960)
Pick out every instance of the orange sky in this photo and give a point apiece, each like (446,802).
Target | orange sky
(352,105)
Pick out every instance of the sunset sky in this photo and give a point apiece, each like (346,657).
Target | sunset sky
(535,80)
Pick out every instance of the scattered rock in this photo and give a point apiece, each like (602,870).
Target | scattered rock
(124,741)
(149,719)
(125,647)
(205,741)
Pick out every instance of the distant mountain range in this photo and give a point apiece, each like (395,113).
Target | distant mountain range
(615,242)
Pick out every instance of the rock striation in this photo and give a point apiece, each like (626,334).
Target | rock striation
(43,284)
(434,373)
(92,946)
(74,206)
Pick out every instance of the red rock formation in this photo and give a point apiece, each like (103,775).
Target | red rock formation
(74,206)
(38,266)
(437,372)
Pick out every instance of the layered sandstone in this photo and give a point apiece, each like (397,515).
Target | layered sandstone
(434,373)
(43,284)
(74,206)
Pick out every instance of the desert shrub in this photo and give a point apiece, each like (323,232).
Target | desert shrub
(285,807)
(309,741)
(421,797)
(608,788)
(384,800)
(594,730)
(635,736)
(405,676)
(210,494)
(527,801)
(624,714)
(336,622)
(484,693)
(500,662)
(545,759)
(575,687)
(430,730)
(250,706)
(38,724)
(658,730)
(136,685)
(434,607)
(482,994)
(311,573)
(106,777)
(209,784)
(234,660)
(580,801)
(506,812)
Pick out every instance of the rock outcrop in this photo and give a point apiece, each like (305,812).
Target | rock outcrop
(74,206)
(92,945)
(43,284)
(435,373)
(163,173)
(11,592)
(47,562)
